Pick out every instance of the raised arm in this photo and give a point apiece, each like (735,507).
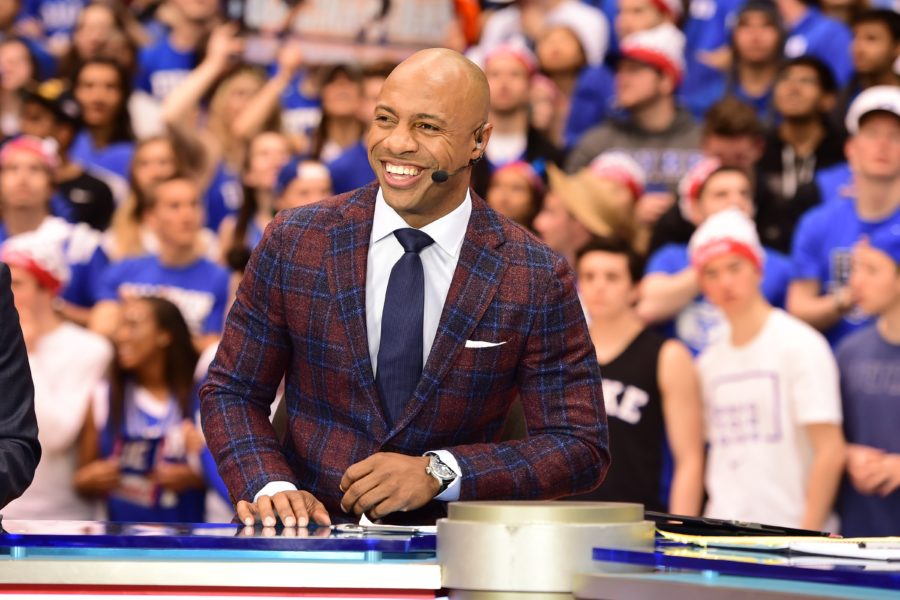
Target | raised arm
(267,100)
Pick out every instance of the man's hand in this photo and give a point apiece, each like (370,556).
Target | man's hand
(294,508)
(890,468)
(864,468)
(385,483)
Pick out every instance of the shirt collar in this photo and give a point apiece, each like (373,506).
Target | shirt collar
(447,232)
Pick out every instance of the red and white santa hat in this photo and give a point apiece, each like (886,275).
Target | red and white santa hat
(620,167)
(727,232)
(44,260)
(672,8)
(692,183)
(516,50)
(44,149)
(661,47)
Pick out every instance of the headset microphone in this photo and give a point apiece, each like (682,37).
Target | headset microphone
(442,175)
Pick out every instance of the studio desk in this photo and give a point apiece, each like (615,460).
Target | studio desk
(543,550)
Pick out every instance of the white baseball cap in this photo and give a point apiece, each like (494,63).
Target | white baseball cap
(878,98)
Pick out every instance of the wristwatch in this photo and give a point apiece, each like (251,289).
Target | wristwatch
(440,471)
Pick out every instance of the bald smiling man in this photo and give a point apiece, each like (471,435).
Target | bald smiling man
(405,317)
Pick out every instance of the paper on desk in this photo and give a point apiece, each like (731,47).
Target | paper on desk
(878,548)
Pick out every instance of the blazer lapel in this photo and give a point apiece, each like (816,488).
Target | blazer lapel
(347,279)
(475,282)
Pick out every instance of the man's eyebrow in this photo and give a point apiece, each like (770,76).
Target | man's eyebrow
(386,108)
(431,117)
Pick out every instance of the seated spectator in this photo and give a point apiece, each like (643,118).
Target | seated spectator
(845,11)
(19,70)
(141,449)
(16,19)
(56,20)
(650,388)
(268,153)
(178,272)
(733,135)
(770,390)
(811,33)
(106,142)
(102,29)
(338,141)
(509,70)
(546,105)
(26,187)
(301,182)
(825,236)
(671,287)
(757,51)
(67,362)
(516,191)
(802,143)
(869,363)
(641,15)
(875,52)
(660,136)
(50,111)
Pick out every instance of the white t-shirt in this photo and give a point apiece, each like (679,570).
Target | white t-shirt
(757,399)
(66,365)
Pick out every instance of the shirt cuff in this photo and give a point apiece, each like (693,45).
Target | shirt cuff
(273,487)
(452,492)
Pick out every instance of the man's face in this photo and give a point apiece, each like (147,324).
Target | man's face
(557,227)
(559,51)
(509,193)
(24,181)
(303,191)
(741,152)
(874,151)
(873,49)
(154,161)
(637,84)
(723,190)
(756,39)
(197,11)
(798,93)
(97,91)
(15,65)
(874,280)
(509,82)
(268,152)
(37,120)
(425,119)
(605,285)
(342,97)
(730,282)
(637,15)
(177,215)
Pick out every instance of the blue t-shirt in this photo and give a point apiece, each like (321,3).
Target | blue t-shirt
(351,169)
(870,390)
(825,38)
(148,435)
(300,114)
(223,197)
(111,163)
(592,99)
(161,68)
(706,28)
(823,242)
(763,105)
(199,290)
(835,183)
(699,323)
(58,16)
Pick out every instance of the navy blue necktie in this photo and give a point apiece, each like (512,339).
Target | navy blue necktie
(400,348)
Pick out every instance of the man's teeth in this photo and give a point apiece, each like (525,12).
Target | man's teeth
(400,170)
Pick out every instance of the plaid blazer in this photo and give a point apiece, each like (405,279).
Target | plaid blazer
(300,313)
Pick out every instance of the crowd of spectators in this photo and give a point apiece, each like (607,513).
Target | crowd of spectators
(722,176)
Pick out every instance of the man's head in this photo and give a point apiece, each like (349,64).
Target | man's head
(876,42)
(710,187)
(639,15)
(805,89)
(608,275)
(301,182)
(17,64)
(102,90)
(175,213)
(39,271)
(733,134)
(650,67)
(726,252)
(873,121)
(196,12)
(342,91)
(431,114)
(50,110)
(758,34)
(26,173)
(508,70)
(875,272)
(516,191)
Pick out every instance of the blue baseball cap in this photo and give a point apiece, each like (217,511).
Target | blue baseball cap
(887,240)
(288,173)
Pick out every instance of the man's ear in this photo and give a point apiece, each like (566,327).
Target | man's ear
(481,141)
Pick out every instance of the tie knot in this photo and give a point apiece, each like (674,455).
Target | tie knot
(413,240)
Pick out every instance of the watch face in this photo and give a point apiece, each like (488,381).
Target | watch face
(440,470)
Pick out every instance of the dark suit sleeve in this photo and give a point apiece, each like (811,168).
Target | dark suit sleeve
(19,447)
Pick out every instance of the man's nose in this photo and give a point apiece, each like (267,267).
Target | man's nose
(400,141)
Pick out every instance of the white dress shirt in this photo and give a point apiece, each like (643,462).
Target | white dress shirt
(438,262)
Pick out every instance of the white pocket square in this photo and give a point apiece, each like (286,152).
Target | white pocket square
(481,344)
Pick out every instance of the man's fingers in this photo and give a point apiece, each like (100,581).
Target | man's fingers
(367,502)
(358,489)
(356,472)
(266,511)
(316,510)
(246,513)
(286,510)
